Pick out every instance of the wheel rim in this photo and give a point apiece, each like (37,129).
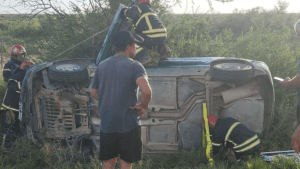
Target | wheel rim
(232,66)
(67,67)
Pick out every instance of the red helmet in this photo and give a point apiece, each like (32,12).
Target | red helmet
(18,52)
(212,120)
(144,1)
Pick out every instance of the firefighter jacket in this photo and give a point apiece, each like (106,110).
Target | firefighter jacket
(230,133)
(10,67)
(145,21)
(14,76)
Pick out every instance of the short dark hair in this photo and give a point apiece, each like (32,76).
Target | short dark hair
(124,38)
(122,49)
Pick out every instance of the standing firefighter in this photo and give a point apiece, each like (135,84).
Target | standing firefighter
(13,73)
(234,136)
(147,24)
(295,81)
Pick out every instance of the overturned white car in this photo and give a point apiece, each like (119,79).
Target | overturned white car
(56,102)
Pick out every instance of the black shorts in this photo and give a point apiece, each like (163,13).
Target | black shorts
(128,145)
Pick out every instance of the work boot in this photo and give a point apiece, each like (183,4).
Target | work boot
(164,52)
(10,137)
(230,156)
(3,146)
(143,57)
(7,142)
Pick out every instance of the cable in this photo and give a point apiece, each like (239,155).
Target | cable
(83,41)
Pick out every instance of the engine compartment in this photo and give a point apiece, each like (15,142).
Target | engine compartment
(62,114)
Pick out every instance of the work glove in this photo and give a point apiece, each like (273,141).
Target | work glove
(25,65)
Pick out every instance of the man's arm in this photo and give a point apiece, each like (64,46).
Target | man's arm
(95,94)
(296,140)
(6,72)
(294,82)
(143,83)
(14,83)
(133,13)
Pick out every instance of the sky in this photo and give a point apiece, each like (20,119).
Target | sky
(200,6)
(219,7)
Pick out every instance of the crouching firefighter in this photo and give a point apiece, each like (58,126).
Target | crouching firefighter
(147,24)
(236,138)
(13,73)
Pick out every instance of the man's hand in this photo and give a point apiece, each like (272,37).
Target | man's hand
(295,143)
(143,83)
(285,82)
(140,109)
(95,94)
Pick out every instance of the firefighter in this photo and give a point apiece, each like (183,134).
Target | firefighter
(236,138)
(13,73)
(295,82)
(147,24)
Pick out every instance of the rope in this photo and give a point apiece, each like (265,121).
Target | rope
(83,41)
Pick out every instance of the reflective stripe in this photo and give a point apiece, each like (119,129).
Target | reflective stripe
(13,80)
(4,96)
(232,142)
(249,147)
(160,30)
(246,142)
(18,91)
(230,130)
(144,15)
(6,70)
(139,9)
(19,85)
(138,50)
(158,35)
(216,144)
(148,22)
(7,107)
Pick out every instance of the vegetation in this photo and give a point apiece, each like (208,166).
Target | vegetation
(255,34)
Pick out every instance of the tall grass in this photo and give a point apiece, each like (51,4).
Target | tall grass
(27,155)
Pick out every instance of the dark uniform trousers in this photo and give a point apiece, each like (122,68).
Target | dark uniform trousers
(230,133)
(14,76)
(147,24)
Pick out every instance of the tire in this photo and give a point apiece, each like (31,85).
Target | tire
(67,71)
(231,70)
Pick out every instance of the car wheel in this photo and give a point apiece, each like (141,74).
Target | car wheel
(231,70)
(67,72)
